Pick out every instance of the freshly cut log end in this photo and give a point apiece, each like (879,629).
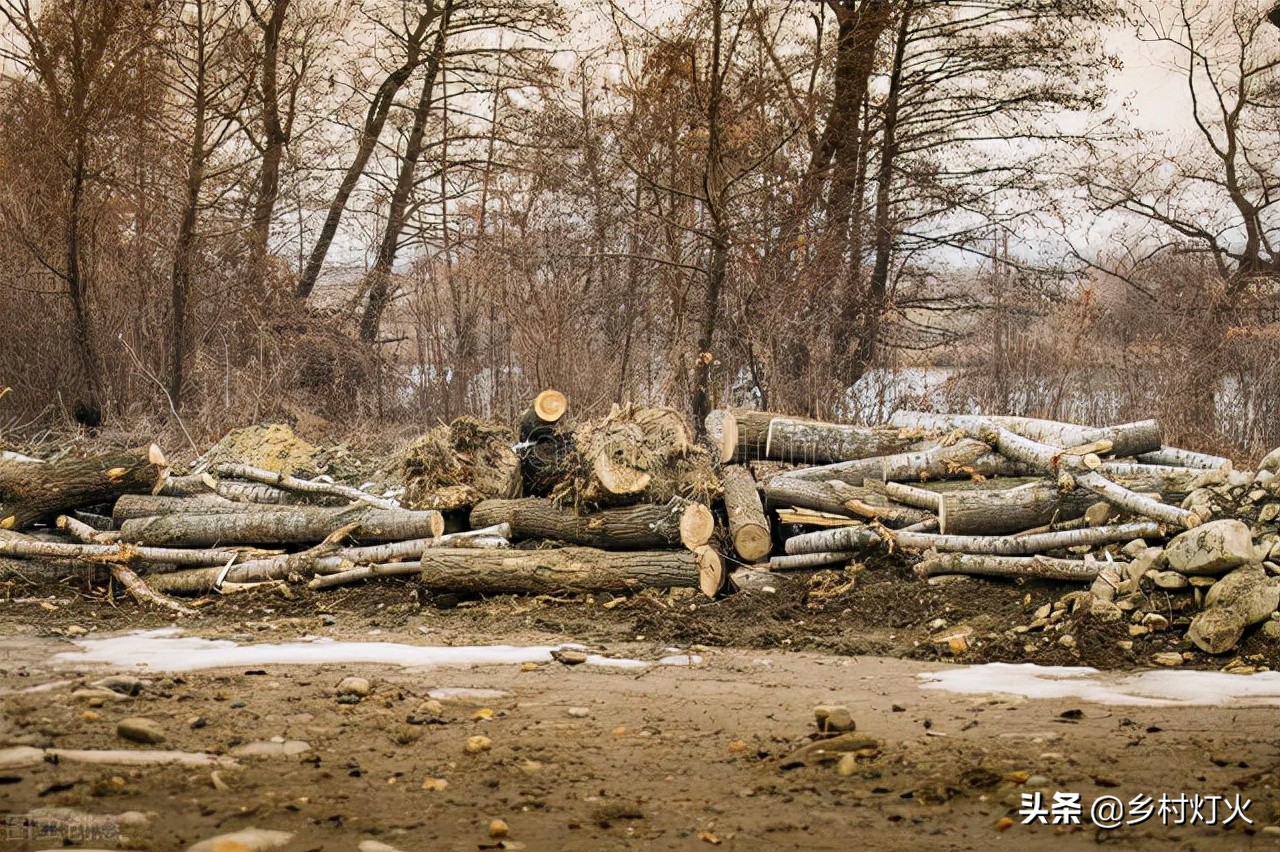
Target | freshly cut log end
(710,571)
(697,525)
(550,406)
(728,438)
(619,480)
(748,525)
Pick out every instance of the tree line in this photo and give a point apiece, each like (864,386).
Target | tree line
(221,210)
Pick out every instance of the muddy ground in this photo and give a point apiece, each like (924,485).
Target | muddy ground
(663,758)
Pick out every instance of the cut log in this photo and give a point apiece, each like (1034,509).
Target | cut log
(1015,567)
(392,569)
(326,558)
(1048,460)
(133,506)
(802,561)
(570,569)
(1186,458)
(295,525)
(538,422)
(722,433)
(785,490)
(772,437)
(963,459)
(197,485)
(309,487)
(907,495)
(625,528)
(840,540)
(1026,544)
(109,553)
(757,580)
(32,492)
(1127,439)
(1172,483)
(748,526)
(1008,510)
(635,455)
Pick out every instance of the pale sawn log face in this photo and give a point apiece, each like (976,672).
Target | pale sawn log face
(748,524)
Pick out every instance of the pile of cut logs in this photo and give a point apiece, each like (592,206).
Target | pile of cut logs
(634,500)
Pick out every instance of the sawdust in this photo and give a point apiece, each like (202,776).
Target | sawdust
(273,446)
(459,465)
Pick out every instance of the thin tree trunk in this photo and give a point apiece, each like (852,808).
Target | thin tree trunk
(275,138)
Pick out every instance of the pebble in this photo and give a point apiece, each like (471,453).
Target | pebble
(498,828)
(1037,781)
(834,719)
(140,729)
(376,846)
(848,765)
(477,744)
(20,757)
(1171,580)
(1124,644)
(1167,658)
(1155,621)
(428,711)
(435,785)
(74,630)
(357,686)
(569,657)
(1066,640)
(579,712)
(1271,629)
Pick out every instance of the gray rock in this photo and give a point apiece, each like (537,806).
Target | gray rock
(122,684)
(1170,580)
(1133,548)
(1167,659)
(1244,597)
(1105,610)
(1271,629)
(1271,461)
(1212,548)
(140,729)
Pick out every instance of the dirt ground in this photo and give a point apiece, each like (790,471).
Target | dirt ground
(588,757)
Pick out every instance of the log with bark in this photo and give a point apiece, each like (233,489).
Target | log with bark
(1126,439)
(133,506)
(539,421)
(202,484)
(985,511)
(570,569)
(645,525)
(293,525)
(33,492)
(1024,545)
(964,459)
(1176,457)
(308,487)
(748,525)
(757,435)
(1014,567)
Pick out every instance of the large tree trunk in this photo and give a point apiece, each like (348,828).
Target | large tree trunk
(31,492)
(748,525)
(291,525)
(762,435)
(130,507)
(963,459)
(985,511)
(625,528)
(571,569)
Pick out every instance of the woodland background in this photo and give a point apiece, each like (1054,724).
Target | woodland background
(370,212)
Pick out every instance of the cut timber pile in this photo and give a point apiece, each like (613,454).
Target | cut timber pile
(1163,538)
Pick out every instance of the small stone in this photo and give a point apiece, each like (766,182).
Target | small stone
(569,657)
(197,723)
(140,729)
(435,785)
(1066,640)
(1139,630)
(1042,612)
(1171,580)
(119,684)
(477,744)
(937,624)
(579,712)
(90,716)
(1272,830)
(848,765)
(357,686)
(328,620)
(1124,644)
(498,829)
(1155,621)
(20,757)
(484,714)
(1105,610)
(530,667)
(1271,629)
(75,630)
(1133,548)
(1167,658)
(1037,781)
(1269,513)
(833,719)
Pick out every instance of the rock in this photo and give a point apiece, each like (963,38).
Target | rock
(1170,580)
(1124,644)
(569,657)
(833,719)
(847,765)
(498,829)
(120,684)
(1271,629)
(428,712)
(357,686)
(579,712)
(1105,610)
(1243,598)
(1133,548)
(1167,659)
(1148,559)
(1139,630)
(376,846)
(1270,462)
(245,840)
(435,785)
(1068,641)
(140,729)
(1037,781)
(271,749)
(1212,548)
(1155,621)
(954,641)
(477,744)
(74,630)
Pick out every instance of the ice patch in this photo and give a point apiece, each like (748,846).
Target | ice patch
(1157,688)
(166,650)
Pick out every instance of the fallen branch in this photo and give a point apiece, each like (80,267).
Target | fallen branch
(294,525)
(1028,544)
(1019,567)
(301,486)
(1126,439)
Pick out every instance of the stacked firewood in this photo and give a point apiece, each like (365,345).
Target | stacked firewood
(634,499)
